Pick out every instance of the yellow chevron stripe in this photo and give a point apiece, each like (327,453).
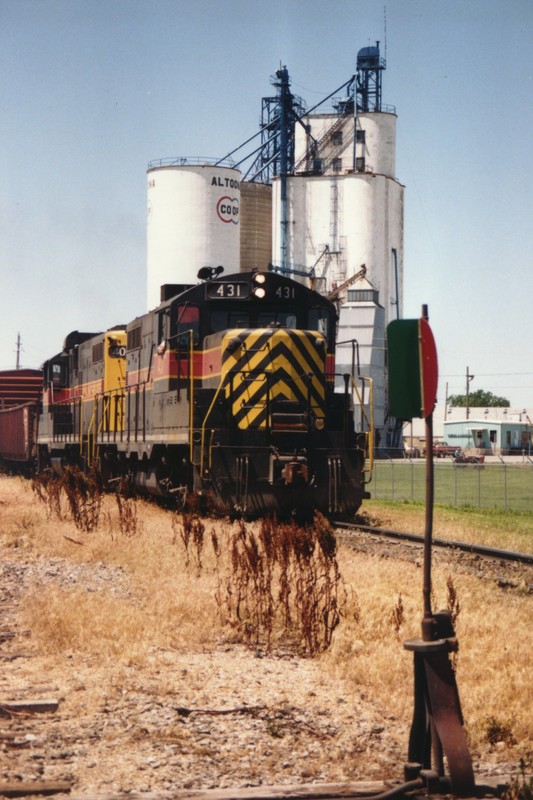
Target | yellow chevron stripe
(314,353)
(270,358)
(281,388)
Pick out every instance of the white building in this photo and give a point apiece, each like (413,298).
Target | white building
(485,429)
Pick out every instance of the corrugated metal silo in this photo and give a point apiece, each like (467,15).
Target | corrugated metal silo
(256,225)
(193,222)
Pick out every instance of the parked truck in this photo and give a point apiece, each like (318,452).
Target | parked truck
(443,449)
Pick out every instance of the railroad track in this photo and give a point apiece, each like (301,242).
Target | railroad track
(475,549)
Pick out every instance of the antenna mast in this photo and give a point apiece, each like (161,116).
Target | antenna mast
(385,30)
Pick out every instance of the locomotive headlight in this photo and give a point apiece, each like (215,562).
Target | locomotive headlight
(259,290)
(319,424)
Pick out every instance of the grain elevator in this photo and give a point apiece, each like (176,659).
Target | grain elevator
(338,221)
(317,200)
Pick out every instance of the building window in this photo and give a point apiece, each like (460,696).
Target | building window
(360,164)
(336,165)
(317,166)
(360,137)
(336,137)
(494,437)
(363,296)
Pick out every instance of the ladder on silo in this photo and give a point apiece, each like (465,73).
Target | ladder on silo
(312,151)
(334,215)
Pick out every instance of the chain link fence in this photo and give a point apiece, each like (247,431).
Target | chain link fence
(508,487)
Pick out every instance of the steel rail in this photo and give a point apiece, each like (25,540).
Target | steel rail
(477,549)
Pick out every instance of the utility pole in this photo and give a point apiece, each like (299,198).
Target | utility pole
(468,379)
(18,350)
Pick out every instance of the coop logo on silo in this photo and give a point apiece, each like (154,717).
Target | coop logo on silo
(228,209)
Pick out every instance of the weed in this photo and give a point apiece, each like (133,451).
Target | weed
(496,730)
(275,730)
(521,786)
(47,488)
(397,616)
(453,605)
(128,520)
(190,529)
(283,584)
(82,491)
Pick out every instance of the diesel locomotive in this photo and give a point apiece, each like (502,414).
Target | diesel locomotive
(226,390)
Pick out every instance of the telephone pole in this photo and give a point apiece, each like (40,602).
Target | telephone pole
(468,379)
(18,350)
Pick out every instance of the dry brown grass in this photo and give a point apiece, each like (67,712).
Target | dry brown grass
(494,664)
(170,598)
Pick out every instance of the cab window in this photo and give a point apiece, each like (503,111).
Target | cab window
(225,320)
(319,320)
(57,374)
(186,318)
(277,319)
(163,326)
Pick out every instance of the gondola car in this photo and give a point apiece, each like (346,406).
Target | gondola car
(225,390)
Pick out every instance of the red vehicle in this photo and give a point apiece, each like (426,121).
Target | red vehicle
(443,449)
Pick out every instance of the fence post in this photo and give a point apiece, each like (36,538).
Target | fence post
(505,486)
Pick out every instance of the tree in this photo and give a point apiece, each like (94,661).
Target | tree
(477,399)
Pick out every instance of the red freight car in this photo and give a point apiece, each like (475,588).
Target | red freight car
(18,434)
(19,386)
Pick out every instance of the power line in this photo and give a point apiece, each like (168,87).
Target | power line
(486,374)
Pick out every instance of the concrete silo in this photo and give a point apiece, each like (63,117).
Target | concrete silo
(193,222)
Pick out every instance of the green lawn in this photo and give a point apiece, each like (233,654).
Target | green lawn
(509,530)
(487,486)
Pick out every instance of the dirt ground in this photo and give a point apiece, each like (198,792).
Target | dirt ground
(197,720)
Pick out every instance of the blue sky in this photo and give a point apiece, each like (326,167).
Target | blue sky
(93,90)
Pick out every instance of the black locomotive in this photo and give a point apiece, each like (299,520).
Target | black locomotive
(225,390)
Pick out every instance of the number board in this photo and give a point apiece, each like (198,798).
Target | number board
(240,290)
(284,292)
(219,290)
